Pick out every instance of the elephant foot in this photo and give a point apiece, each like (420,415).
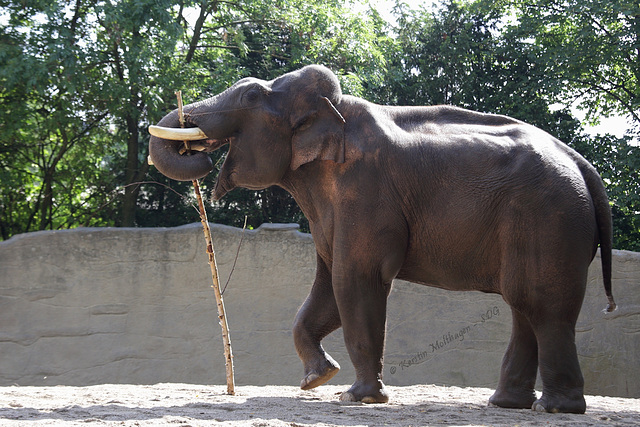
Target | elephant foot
(365,394)
(560,404)
(317,376)
(513,400)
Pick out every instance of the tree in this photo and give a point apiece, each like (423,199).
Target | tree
(81,81)
(457,55)
(45,120)
(590,46)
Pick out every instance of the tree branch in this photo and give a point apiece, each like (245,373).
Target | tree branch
(260,52)
(597,87)
(197,31)
(246,21)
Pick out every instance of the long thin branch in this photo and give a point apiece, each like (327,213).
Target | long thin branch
(226,338)
(628,108)
(246,21)
(215,46)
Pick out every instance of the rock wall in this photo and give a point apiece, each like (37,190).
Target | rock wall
(90,306)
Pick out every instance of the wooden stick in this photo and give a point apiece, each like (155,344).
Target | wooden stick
(226,338)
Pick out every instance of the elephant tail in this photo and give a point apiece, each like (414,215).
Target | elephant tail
(604,222)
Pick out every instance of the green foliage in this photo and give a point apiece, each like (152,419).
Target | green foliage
(72,105)
(80,81)
(41,124)
(456,55)
(618,162)
(591,46)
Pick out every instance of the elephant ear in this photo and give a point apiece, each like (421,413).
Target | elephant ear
(318,135)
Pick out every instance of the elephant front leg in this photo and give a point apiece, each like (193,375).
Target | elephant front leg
(316,319)
(362,306)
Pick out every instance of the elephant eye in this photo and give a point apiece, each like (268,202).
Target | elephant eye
(252,95)
(304,124)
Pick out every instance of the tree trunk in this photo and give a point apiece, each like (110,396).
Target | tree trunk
(134,172)
(46,203)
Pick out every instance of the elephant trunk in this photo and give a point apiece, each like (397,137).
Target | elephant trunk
(165,155)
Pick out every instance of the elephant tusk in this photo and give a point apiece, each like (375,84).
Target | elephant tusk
(177,134)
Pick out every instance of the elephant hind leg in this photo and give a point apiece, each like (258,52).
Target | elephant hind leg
(562,381)
(519,367)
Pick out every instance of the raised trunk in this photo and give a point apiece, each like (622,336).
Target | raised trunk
(166,157)
(218,126)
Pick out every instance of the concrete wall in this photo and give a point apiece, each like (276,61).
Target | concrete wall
(91,306)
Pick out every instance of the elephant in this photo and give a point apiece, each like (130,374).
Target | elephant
(436,195)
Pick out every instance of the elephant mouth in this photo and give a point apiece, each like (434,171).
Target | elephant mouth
(206,145)
(224,184)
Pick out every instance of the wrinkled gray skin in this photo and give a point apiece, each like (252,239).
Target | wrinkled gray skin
(439,196)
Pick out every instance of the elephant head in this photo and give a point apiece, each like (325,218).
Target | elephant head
(272,127)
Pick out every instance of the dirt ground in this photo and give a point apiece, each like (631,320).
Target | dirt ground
(199,405)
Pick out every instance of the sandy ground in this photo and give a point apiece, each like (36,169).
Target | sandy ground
(198,405)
